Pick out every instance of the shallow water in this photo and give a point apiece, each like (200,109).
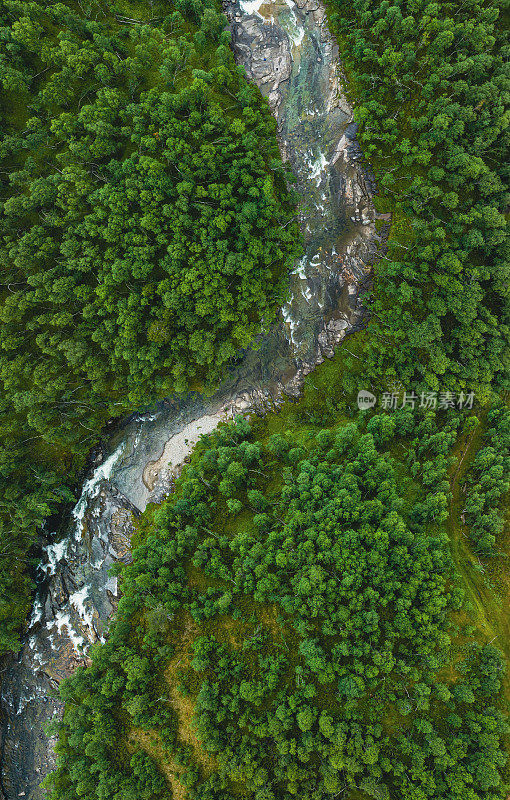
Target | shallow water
(286,48)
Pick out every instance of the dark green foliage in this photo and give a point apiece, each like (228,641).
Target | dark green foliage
(488,481)
(297,591)
(145,231)
(321,661)
(432,86)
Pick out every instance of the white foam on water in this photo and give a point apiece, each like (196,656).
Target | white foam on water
(33,645)
(77,599)
(138,435)
(288,319)
(296,32)
(22,704)
(91,487)
(148,417)
(63,620)
(315,111)
(252,7)
(298,38)
(300,269)
(307,293)
(37,613)
(318,167)
(54,553)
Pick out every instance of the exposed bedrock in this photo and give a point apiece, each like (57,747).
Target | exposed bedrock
(286,48)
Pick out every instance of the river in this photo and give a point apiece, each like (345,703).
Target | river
(288,51)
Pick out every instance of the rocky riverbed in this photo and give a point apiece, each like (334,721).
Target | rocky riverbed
(287,50)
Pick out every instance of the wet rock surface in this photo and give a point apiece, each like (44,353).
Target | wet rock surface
(75,598)
(286,48)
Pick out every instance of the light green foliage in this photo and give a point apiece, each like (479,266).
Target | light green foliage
(488,482)
(339,676)
(145,229)
(288,626)
(431,84)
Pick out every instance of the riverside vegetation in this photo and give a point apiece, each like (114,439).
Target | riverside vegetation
(292,625)
(431,84)
(304,617)
(145,233)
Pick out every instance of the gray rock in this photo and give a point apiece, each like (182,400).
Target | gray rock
(289,52)
(71,612)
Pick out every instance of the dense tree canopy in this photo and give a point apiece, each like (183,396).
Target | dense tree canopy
(431,83)
(293,624)
(488,482)
(145,234)
(296,596)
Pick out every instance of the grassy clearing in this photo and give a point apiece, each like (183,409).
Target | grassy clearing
(487,582)
(150,742)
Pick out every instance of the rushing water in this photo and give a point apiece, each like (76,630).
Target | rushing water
(286,48)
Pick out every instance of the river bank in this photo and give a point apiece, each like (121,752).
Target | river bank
(287,49)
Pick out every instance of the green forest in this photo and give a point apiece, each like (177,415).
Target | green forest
(293,625)
(146,229)
(430,86)
(320,608)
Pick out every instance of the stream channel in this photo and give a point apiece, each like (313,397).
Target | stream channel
(288,51)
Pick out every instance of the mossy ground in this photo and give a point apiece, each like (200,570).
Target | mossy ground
(486,581)
(329,398)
